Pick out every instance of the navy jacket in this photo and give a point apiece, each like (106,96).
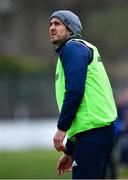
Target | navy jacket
(75,57)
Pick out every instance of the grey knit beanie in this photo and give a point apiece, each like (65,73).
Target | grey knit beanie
(70,20)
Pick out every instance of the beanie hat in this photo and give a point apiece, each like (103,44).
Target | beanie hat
(70,20)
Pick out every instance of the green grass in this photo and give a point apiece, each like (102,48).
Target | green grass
(36,165)
(30,165)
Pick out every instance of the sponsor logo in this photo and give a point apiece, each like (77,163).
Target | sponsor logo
(56,77)
(99,59)
(74,164)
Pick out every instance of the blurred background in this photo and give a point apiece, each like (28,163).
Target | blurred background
(28,110)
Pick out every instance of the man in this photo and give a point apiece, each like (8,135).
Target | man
(85,101)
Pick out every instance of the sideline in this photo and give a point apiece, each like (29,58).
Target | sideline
(27,134)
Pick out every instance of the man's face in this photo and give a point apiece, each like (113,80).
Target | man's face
(58,31)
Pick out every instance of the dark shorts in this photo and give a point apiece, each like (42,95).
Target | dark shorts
(92,152)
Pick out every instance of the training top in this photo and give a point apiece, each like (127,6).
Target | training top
(95,107)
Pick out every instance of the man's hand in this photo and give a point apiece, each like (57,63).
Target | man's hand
(58,140)
(64,164)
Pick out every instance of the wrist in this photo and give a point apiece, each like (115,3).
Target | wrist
(61,130)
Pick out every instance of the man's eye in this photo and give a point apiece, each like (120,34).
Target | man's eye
(57,23)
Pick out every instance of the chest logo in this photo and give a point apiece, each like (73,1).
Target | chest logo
(56,77)
(99,59)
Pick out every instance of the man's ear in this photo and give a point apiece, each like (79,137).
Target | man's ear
(71,33)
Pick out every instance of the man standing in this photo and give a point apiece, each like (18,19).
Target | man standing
(85,101)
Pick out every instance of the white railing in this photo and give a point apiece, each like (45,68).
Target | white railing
(27,134)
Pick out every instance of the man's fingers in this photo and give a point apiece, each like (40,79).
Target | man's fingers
(59,146)
(62,148)
(60,171)
(63,170)
(64,164)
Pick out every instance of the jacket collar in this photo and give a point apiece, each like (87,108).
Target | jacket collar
(58,49)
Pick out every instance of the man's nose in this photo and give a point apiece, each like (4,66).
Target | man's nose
(52,27)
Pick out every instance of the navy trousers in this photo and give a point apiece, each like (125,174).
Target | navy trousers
(92,152)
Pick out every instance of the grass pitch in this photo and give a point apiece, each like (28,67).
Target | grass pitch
(36,164)
(30,165)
